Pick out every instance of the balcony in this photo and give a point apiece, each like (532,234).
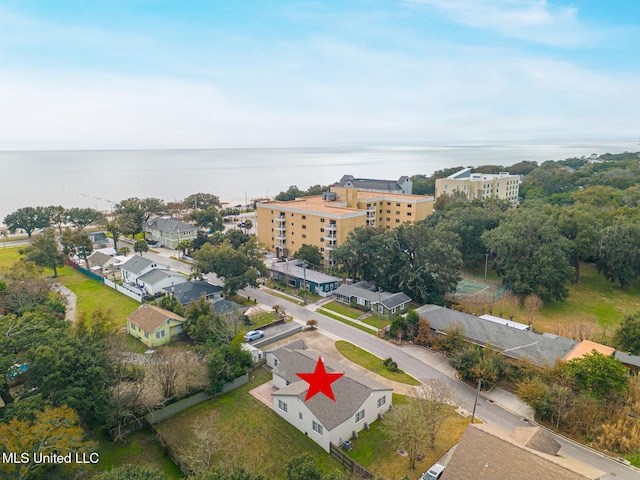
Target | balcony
(330,227)
(330,236)
(281,236)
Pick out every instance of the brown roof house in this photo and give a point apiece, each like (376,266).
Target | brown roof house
(527,453)
(154,326)
(359,400)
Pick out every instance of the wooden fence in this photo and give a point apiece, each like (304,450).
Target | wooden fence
(353,466)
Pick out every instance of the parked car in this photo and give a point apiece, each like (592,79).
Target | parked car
(434,473)
(253,335)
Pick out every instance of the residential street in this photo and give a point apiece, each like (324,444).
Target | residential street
(490,413)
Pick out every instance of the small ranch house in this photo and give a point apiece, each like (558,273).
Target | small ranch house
(191,291)
(292,273)
(169,232)
(154,281)
(359,400)
(365,295)
(154,326)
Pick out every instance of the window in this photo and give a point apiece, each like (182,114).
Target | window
(408,214)
(282,406)
(388,219)
(380,210)
(397,220)
(409,206)
(388,203)
(397,212)
(275,362)
(304,236)
(300,415)
(360,416)
(382,401)
(304,217)
(322,230)
(317,428)
(292,214)
(160,334)
(304,227)
(322,220)
(397,204)
(388,211)
(146,335)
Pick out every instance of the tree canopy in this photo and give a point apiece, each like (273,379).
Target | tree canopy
(44,252)
(28,219)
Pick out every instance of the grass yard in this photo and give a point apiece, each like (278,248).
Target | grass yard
(376,453)
(343,309)
(92,294)
(260,319)
(373,321)
(249,431)
(373,363)
(345,321)
(138,448)
(8,256)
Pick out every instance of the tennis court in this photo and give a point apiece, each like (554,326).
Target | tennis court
(469,287)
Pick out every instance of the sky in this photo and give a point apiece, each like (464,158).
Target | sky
(322,73)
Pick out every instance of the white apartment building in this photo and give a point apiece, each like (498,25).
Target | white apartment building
(480,185)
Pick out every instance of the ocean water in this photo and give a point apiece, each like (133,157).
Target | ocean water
(98,179)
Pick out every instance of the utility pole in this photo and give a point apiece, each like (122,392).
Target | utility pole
(379,290)
(304,269)
(473,415)
(486,264)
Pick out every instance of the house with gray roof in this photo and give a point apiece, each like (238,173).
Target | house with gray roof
(402,185)
(156,280)
(137,266)
(294,274)
(191,291)
(359,400)
(365,295)
(541,349)
(169,231)
(527,453)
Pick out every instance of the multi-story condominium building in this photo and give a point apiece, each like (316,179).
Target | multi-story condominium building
(480,185)
(326,220)
(402,185)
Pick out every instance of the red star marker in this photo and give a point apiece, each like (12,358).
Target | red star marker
(320,381)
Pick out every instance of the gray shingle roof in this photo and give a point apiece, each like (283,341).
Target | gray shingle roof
(350,390)
(136,264)
(169,224)
(540,349)
(392,300)
(226,306)
(373,184)
(188,292)
(155,276)
(367,291)
(628,359)
(99,258)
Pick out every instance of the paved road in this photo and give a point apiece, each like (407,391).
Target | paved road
(488,412)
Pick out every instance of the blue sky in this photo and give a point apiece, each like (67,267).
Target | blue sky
(263,73)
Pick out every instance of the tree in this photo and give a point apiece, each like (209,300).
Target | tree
(115,228)
(437,402)
(532,305)
(530,255)
(167,366)
(131,215)
(627,336)
(424,338)
(248,225)
(618,256)
(226,363)
(204,443)
(309,253)
(152,206)
(44,252)
(140,246)
(208,218)
(83,217)
(202,201)
(55,430)
(359,253)
(184,246)
(57,216)
(580,226)
(598,375)
(28,219)
(238,267)
(302,467)
(292,193)
(405,426)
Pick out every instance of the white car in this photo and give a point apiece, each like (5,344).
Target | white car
(434,473)
(253,335)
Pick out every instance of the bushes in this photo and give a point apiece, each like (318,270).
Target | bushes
(390,365)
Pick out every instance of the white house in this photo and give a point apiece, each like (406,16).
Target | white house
(154,281)
(359,400)
(137,266)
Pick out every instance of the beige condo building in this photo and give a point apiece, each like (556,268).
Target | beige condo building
(480,185)
(326,220)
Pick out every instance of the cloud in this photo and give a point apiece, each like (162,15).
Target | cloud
(531,20)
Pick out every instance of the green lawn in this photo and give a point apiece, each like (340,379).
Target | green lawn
(250,432)
(9,255)
(376,453)
(373,321)
(260,319)
(345,321)
(137,448)
(92,294)
(373,363)
(343,309)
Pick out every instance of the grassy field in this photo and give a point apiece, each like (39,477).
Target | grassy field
(92,294)
(594,305)
(249,431)
(8,256)
(373,363)
(138,448)
(343,309)
(376,453)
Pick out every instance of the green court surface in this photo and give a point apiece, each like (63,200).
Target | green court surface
(470,287)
